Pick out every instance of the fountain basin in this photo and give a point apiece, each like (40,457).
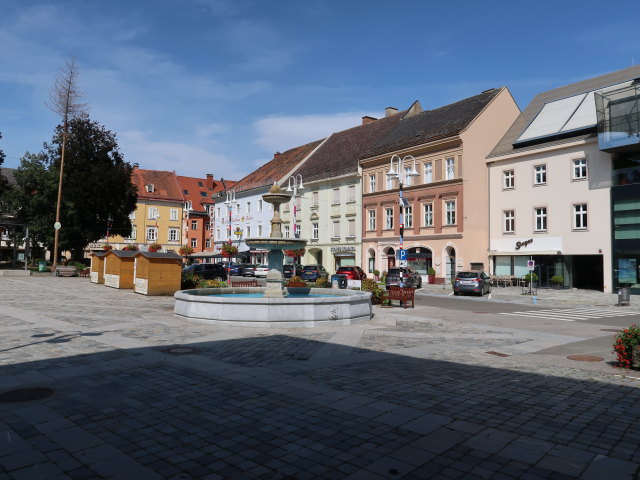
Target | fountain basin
(342,307)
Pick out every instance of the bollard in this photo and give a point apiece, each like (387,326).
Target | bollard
(534,300)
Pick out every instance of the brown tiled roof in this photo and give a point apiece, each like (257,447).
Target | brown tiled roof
(340,153)
(165,185)
(505,146)
(434,124)
(277,168)
(194,191)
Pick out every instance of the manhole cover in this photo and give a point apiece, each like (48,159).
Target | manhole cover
(179,350)
(614,330)
(25,395)
(498,354)
(585,358)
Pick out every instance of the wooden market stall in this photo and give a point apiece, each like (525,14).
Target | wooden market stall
(97,267)
(157,273)
(118,268)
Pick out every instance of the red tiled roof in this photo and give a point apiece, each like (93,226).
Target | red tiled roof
(165,185)
(193,188)
(277,168)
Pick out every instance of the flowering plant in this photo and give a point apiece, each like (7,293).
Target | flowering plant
(106,247)
(154,247)
(227,250)
(294,253)
(185,250)
(130,247)
(624,344)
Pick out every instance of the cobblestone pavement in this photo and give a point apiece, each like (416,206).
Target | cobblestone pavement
(406,396)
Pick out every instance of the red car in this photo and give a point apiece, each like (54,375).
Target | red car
(352,273)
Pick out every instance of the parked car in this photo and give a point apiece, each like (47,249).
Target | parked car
(471,282)
(261,270)
(311,273)
(207,271)
(287,270)
(406,276)
(352,273)
(249,270)
(236,269)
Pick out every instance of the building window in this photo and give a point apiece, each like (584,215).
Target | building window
(372,183)
(248,233)
(174,234)
(218,234)
(351,228)
(580,169)
(407,176)
(541,219)
(194,224)
(152,233)
(259,230)
(351,193)
(580,216)
(237,209)
(336,229)
(315,231)
(207,243)
(389,218)
(218,212)
(314,199)
(207,226)
(248,207)
(428,172)
(259,205)
(194,242)
(188,205)
(508,179)
(540,174)
(132,215)
(428,214)
(389,183)
(450,168)
(372,220)
(336,196)
(286,231)
(509,221)
(132,235)
(173,214)
(153,213)
(450,209)
(408,217)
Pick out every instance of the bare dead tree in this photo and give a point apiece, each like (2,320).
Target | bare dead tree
(65,97)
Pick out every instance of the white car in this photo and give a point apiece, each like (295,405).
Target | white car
(261,270)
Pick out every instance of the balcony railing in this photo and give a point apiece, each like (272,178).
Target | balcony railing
(618,113)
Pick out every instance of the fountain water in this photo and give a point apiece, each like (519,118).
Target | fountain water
(271,306)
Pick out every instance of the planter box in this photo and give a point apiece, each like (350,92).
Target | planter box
(635,357)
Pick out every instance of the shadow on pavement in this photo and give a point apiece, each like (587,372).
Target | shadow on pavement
(278,407)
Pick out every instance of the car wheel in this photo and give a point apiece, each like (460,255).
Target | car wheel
(456,293)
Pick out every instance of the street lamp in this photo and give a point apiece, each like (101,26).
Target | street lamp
(403,175)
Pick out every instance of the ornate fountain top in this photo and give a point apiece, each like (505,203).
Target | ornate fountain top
(275,188)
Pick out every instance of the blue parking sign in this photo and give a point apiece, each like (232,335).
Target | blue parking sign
(401,254)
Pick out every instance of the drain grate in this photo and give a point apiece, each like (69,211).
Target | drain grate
(498,354)
(180,350)
(25,394)
(585,358)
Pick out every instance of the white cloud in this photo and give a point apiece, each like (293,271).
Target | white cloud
(280,133)
(188,160)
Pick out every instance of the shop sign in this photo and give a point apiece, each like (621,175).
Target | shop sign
(519,245)
(342,249)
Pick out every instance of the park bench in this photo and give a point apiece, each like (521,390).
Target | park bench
(404,295)
(246,283)
(63,271)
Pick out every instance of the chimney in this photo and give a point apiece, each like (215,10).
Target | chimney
(209,181)
(276,155)
(389,111)
(367,119)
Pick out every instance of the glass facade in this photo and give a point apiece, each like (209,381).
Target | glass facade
(625,218)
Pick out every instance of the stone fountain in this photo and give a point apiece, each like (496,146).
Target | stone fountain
(276,243)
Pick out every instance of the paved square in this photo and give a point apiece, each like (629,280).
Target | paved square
(406,396)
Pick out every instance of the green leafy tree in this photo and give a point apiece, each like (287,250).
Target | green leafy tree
(97,183)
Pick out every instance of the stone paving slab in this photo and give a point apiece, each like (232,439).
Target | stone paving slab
(373,401)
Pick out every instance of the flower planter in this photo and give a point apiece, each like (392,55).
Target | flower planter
(635,357)
(300,290)
(431,279)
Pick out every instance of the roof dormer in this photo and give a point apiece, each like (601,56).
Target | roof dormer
(150,188)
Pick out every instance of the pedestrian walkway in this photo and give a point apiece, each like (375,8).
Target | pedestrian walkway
(100,383)
(573,314)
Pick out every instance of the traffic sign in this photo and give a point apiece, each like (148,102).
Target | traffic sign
(57,225)
(401,254)
(402,263)
(531,264)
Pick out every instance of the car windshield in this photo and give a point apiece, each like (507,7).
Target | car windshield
(346,269)
(309,268)
(394,271)
(263,266)
(467,275)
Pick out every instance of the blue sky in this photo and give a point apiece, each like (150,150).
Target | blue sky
(218,86)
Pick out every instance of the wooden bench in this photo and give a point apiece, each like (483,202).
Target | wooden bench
(62,271)
(404,295)
(246,283)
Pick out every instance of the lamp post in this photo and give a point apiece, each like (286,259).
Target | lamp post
(230,202)
(403,175)
(295,184)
